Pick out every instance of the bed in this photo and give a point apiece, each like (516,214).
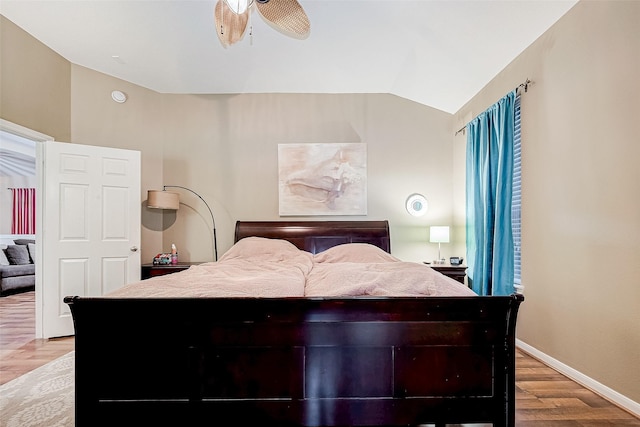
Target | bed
(281,360)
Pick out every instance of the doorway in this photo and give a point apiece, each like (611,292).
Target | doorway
(18,169)
(87,224)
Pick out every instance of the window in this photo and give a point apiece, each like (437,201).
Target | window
(516,194)
(23,212)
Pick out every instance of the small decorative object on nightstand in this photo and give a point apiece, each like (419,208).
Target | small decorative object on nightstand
(152,270)
(454,260)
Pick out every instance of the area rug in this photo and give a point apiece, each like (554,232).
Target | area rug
(43,397)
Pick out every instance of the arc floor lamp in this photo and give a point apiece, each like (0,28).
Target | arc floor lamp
(171,200)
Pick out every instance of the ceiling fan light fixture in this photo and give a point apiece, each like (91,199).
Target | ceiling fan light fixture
(239,6)
(285,16)
(230,26)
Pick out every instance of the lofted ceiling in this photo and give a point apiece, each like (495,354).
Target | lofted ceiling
(436,52)
(17,155)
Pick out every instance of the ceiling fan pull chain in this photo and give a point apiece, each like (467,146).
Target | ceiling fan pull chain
(222,21)
(250,28)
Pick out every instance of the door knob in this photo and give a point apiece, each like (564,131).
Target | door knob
(133,249)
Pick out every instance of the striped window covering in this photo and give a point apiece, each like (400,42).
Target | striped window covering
(516,201)
(23,213)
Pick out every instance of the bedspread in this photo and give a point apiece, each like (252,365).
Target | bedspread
(388,279)
(257,267)
(360,269)
(253,267)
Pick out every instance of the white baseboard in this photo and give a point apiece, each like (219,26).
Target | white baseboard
(585,381)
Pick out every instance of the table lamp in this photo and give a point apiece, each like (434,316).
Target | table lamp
(439,234)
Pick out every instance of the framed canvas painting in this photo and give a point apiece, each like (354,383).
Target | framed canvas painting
(322,179)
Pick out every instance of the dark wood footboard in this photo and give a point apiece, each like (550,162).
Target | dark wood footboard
(295,362)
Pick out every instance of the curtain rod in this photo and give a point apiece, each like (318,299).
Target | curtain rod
(524,85)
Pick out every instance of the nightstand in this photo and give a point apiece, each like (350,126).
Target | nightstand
(456,272)
(152,270)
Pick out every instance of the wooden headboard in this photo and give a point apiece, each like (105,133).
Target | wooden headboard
(317,236)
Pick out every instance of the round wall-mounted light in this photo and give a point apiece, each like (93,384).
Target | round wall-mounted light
(118,96)
(417,204)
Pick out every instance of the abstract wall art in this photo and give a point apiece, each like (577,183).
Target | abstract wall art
(322,179)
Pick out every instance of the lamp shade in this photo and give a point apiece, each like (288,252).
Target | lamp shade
(439,234)
(163,200)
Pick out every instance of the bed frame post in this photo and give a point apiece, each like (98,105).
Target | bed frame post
(510,349)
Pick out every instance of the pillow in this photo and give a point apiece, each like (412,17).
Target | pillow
(23,241)
(32,252)
(18,254)
(3,257)
(354,252)
(261,247)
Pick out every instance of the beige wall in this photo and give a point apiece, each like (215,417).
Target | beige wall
(581,190)
(35,83)
(225,148)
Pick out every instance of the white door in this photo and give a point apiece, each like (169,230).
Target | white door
(89,227)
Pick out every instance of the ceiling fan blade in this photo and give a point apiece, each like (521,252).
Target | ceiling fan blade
(286,16)
(230,26)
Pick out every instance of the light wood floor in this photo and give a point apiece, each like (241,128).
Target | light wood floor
(544,397)
(20,352)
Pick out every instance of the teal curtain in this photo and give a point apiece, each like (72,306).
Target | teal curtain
(489,188)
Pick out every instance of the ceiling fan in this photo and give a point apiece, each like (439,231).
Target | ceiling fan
(286,16)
